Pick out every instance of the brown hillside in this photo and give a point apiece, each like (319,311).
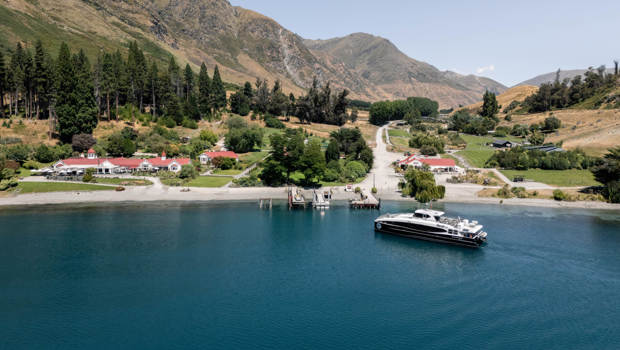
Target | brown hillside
(517,93)
(594,131)
(246,45)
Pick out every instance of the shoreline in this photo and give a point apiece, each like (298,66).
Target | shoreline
(173,194)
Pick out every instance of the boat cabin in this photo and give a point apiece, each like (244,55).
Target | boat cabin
(427,214)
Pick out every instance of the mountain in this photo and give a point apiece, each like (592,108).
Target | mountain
(550,77)
(391,73)
(245,44)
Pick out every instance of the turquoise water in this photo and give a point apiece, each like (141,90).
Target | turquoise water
(231,276)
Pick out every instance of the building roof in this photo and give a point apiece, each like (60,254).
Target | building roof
(130,163)
(91,151)
(429,161)
(438,161)
(501,142)
(224,154)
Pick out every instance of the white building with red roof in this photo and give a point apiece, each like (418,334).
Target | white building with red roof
(434,164)
(207,157)
(118,165)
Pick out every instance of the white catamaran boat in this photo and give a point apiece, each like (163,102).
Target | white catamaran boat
(431,225)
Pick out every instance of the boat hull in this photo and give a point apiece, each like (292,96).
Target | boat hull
(395,229)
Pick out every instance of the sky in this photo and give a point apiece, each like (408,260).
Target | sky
(509,41)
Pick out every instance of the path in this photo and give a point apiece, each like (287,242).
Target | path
(382,175)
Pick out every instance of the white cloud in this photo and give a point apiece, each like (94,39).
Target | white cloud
(489,68)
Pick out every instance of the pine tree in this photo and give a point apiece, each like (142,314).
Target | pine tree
(174,75)
(136,75)
(66,105)
(87,106)
(107,80)
(152,88)
(204,91)
(42,79)
(16,77)
(3,86)
(217,90)
(118,76)
(188,82)
(489,105)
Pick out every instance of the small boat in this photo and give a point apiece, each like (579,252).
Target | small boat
(432,225)
(321,200)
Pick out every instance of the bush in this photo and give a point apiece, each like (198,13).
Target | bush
(190,124)
(224,163)
(505,192)
(422,140)
(374,190)
(236,122)
(354,170)
(331,175)
(88,175)
(428,150)
(244,140)
(358,190)
(19,153)
(188,171)
(272,122)
(208,136)
(82,142)
(31,164)
(520,192)
(44,154)
(558,195)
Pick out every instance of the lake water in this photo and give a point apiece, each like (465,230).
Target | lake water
(231,276)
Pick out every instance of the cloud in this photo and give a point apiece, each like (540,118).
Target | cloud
(488,68)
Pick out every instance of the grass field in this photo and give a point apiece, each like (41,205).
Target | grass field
(477,152)
(123,182)
(561,178)
(248,159)
(398,133)
(209,181)
(41,187)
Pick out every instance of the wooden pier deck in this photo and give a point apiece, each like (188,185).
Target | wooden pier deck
(367,201)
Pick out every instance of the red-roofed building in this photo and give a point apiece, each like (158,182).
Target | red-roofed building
(118,165)
(435,164)
(208,157)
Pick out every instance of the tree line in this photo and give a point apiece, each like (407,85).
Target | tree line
(76,94)
(410,109)
(569,92)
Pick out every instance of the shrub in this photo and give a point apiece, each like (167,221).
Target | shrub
(224,163)
(358,190)
(44,154)
(190,124)
(272,122)
(208,136)
(188,171)
(428,150)
(374,190)
(504,192)
(330,175)
(520,192)
(88,175)
(354,170)
(31,164)
(82,142)
(558,195)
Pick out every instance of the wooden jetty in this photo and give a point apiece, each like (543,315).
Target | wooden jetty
(296,198)
(367,201)
(321,199)
(266,203)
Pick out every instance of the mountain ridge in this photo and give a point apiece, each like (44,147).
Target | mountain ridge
(245,44)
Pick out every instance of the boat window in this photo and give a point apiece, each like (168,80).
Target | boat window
(419,215)
(437,218)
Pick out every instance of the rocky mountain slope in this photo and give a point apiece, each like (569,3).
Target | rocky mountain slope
(245,44)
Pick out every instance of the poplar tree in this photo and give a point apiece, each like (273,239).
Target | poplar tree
(87,106)
(188,80)
(217,90)
(66,101)
(42,79)
(107,80)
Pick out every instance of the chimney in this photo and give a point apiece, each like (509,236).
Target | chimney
(163,155)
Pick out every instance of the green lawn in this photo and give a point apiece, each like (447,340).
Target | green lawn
(477,152)
(448,156)
(123,182)
(267,133)
(398,133)
(209,181)
(230,172)
(248,159)
(400,141)
(562,178)
(40,187)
